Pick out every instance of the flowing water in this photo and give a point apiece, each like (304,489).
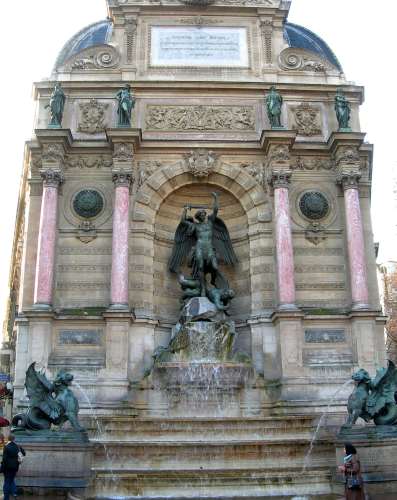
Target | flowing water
(99,429)
(321,422)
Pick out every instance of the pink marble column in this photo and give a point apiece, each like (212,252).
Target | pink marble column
(355,241)
(45,264)
(119,278)
(284,248)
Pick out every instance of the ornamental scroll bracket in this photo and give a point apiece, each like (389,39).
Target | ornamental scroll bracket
(99,57)
(293,59)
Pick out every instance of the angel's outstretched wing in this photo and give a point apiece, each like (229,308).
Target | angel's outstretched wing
(183,242)
(384,385)
(39,391)
(223,243)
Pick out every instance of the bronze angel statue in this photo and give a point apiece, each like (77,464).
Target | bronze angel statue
(49,402)
(205,242)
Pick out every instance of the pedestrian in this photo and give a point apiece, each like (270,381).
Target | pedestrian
(12,457)
(351,468)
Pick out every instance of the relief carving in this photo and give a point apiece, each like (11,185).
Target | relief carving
(146,169)
(82,162)
(201,162)
(312,164)
(53,153)
(200,118)
(257,171)
(307,120)
(293,59)
(123,151)
(98,57)
(92,117)
(315,233)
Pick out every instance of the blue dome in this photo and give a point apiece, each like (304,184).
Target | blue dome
(99,33)
(94,34)
(301,38)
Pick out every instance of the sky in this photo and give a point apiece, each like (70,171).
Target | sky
(361,34)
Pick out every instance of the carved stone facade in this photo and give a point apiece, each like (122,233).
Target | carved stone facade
(92,119)
(201,163)
(307,120)
(200,118)
(102,205)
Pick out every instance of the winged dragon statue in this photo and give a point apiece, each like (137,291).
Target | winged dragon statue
(50,403)
(374,399)
(204,241)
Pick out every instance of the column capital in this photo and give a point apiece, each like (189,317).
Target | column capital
(51,177)
(123,177)
(348,179)
(280,179)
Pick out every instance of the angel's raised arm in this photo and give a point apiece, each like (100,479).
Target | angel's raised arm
(215,207)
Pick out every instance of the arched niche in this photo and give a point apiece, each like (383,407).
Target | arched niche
(167,292)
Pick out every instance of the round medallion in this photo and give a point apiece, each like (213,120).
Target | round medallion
(314,205)
(88,203)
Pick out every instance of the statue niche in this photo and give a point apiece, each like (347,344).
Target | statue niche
(167,286)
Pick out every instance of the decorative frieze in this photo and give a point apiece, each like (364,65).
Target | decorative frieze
(92,120)
(188,118)
(317,163)
(322,336)
(307,120)
(88,162)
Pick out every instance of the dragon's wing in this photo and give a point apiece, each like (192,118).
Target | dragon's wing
(39,391)
(183,243)
(223,243)
(383,386)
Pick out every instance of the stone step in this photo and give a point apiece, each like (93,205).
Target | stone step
(127,428)
(209,455)
(239,483)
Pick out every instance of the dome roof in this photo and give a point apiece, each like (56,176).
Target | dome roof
(301,38)
(94,34)
(99,33)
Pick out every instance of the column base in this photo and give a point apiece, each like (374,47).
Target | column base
(360,306)
(287,307)
(42,306)
(119,307)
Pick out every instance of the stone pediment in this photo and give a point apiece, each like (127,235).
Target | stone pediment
(97,57)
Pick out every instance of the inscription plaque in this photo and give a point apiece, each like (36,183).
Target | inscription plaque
(317,336)
(80,337)
(197,46)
